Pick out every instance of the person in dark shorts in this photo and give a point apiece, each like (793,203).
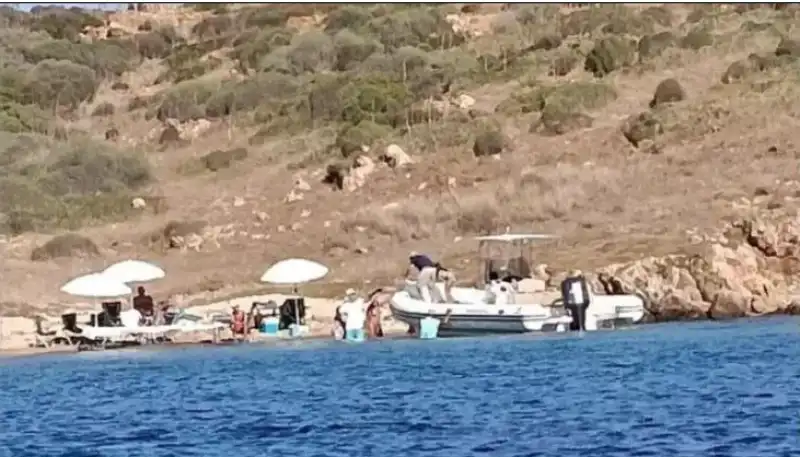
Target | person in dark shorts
(143,303)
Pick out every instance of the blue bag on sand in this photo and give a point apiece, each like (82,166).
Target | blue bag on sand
(429,328)
(356,335)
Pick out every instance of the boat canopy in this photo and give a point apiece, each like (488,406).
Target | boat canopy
(509,252)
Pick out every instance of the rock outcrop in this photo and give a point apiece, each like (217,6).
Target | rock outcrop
(745,270)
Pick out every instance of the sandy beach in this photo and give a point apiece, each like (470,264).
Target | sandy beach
(18,334)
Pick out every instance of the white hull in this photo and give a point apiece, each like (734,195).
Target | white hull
(472,316)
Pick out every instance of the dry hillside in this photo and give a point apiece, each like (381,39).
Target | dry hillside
(216,140)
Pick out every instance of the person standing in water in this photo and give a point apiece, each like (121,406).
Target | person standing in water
(238,323)
(352,311)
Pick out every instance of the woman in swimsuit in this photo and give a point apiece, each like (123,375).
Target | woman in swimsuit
(373,326)
(238,324)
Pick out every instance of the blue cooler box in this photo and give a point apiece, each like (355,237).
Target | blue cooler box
(269,326)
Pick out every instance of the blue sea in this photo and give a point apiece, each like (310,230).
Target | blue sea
(702,389)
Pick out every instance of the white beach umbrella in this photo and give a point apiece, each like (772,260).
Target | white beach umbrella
(134,271)
(96,285)
(294,271)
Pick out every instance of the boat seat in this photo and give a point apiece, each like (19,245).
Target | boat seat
(544,298)
(530,285)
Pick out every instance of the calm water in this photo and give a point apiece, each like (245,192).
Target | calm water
(674,390)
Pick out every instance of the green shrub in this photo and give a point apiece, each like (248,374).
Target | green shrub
(63,246)
(488,142)
(609,54)
(424,27)
(183,101)
(60,83)
(262,17)
(311,52)
(250,51)
(697,39)
(324,101)
(106,57)
(569,97)
(152,45)
(219,159)
(56,184)
(560,119)
(375,99)
(243,96)
(189,70)
(651,46)
(16,118)
(214,27)
(351,138)
(351,49)
(353,17)
(64,24)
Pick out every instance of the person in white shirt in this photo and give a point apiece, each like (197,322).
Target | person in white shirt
(353,313)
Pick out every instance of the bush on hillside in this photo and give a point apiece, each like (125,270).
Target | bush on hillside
(350,50)
(261,17)
(106,57)
(697,39)
(668,91)
(353,17)
(152,45)
(558,120)
(651,46)
(569,97)
(424,27)
(63,24)
(265,89)
(261,42)
(351,139)
(16,118)
(64,246)
(640,127)
(586,21)
(57,184)
(190,70)
(609,54)
(488,142)
(311,52)
(60,83)
(661,15)
(214,27)
(183,101)
(220,159)
(375,99)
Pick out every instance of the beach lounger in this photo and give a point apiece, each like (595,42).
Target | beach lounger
(47,338)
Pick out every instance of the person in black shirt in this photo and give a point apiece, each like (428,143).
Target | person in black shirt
(426,277)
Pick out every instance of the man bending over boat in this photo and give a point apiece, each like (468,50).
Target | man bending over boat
(426,276)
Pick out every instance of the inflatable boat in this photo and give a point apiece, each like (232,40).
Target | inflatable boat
(475,311)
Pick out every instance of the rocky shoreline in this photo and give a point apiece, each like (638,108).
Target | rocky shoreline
(747,268)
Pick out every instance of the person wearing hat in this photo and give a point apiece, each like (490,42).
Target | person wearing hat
(426,275)
(352,312)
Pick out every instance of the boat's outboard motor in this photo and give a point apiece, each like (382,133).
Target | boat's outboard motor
(575,293)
